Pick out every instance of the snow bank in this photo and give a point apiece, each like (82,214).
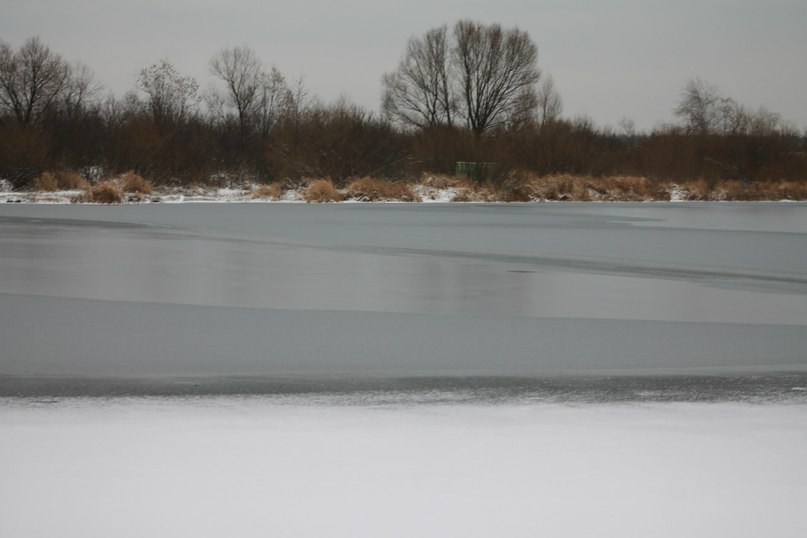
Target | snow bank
(279,467)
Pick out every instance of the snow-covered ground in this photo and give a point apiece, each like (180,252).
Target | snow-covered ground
(283,467)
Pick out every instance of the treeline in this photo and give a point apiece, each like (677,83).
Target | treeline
(438,109)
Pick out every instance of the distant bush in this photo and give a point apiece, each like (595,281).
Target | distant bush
(368,189)
(131,182)
(67,180)
(443,181)
(761,190)
(45,182)
(273,191)
(105,193)
(321,190)
(460,188)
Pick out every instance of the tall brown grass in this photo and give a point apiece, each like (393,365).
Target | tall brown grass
(46,182)
(105,193)
(320,191)
(273,191)
(130,182)
(64,180)
(369,189)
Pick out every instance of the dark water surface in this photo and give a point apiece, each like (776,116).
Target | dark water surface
(270,298)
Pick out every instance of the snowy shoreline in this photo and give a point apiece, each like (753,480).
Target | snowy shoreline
(251,193)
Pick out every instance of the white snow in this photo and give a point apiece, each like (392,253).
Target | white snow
(229,466)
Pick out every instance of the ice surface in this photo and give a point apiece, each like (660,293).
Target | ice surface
(279,467)
(425,370)
(401,290)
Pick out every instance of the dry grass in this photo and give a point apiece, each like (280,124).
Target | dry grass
(105,193)
(483,192)
(368,189)
(320,191)
(46,182)
(131,182)
(462,188)
(761,190)
(559,187)
(65,180)
(789,190)
(273,191)
(442,181)
(71,181)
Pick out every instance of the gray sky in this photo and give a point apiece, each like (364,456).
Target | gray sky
(610,58)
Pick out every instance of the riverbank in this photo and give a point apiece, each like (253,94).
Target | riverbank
(130,188)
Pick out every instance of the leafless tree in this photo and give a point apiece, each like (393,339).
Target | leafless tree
(705,111)
(299,101)
(170,97)
(274,97)
(497,72)
(241,71)
(701,107)
(482,73)
(550,104)
(31,80)
(419,92)
(80,90)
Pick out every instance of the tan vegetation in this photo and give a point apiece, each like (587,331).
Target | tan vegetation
(273,191)
(65,180)
(320,191)
(71,181)
(105,193)
(734,190)
(131,182)
(369,189)
(46,182)
(515,186)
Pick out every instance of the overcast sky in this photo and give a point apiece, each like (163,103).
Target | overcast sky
(610,58)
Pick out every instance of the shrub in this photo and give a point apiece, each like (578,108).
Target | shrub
(697,190)
(105,193)
(272,192)
(370,189)
(71,181)
(518,186)
(442,181)
(321,190)
(133,183)
(790,190)
(45,182)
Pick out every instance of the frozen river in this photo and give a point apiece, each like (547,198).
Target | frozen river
(413,370)
(163,294)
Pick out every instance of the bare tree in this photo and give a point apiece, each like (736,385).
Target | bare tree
(298,101)
(31,80)
(170,97)
(241,71)
(80,90)
(550,104)
(497,72)
(701,107)
(705,111)
(419,92)
(274,97)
